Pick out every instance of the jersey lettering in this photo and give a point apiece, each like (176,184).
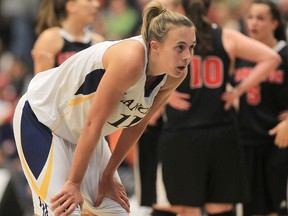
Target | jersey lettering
(253,95)
(132,106)
(44,207)
(64,56)
(207,72)
(138,106)
(276,77)
(124,118)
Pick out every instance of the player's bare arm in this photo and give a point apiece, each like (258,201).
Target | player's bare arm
(45,49)
(241,46)
(122,72)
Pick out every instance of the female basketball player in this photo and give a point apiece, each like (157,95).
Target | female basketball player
(61,121)
(63,30)
(207,170)
(260,110)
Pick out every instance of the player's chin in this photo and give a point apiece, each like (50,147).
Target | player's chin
(179,72)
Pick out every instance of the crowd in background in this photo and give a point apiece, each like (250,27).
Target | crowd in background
(116,19)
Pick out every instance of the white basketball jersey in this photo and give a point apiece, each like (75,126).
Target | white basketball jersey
(61,97)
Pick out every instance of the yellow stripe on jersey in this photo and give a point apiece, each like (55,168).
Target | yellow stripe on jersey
(58,125)
(47,176)
(72,103)
(78,100)
(42,192)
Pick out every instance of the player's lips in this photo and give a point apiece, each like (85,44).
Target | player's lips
(182,67)
(253,31)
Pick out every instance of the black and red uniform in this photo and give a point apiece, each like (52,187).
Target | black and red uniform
(202,161)
(71,46)
(259,109)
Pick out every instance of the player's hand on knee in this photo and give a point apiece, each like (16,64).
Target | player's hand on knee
(67,199)
(112,188)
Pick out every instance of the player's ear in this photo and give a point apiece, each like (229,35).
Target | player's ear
(154,46)
(70,6)
(275,24)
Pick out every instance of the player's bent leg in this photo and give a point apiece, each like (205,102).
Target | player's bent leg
(90,184)
(54,175)
(45,158)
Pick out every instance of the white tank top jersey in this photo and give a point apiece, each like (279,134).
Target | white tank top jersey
(61,97)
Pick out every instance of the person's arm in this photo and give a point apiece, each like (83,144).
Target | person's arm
(111,88)
(47,45)
(238,45)
(130,136)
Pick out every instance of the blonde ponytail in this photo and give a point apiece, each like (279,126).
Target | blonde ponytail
(157,20)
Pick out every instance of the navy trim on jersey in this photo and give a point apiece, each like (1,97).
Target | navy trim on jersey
(156,82)
(91,82)
(36,140)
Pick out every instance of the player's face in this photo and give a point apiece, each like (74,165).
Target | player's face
(177,50)
(86,10)
(260,23)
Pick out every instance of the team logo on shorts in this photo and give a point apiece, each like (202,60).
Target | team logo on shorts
(44,207)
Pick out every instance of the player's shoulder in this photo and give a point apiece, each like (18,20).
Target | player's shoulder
(51,34)
(49,40)
(231,34)
(134,49)
(130,51)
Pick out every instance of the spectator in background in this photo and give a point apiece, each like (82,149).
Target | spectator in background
(140,4)
(14,76)
(63,29)
(6,57)
(119,19)
(21,15)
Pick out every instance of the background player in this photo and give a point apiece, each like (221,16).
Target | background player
(63,30)
(260,109)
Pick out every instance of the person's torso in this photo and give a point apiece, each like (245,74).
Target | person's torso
(71,46)
(260,105)
(61,97)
